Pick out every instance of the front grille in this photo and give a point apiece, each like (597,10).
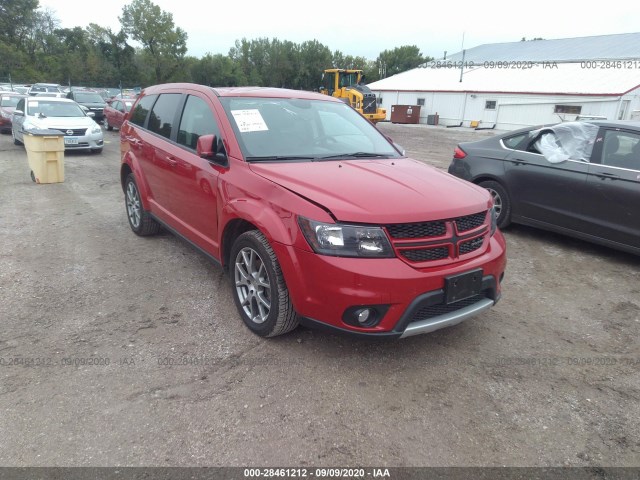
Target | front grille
(369,104)
(77,132)
(417,230)
(426,313)
(471,245)
(470,221)
(425,254)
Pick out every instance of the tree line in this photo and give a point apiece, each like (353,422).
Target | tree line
(33,48)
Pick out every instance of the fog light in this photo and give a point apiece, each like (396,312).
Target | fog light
(363,315)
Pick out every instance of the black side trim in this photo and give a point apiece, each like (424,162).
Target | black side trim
(436,297)
(186,240)
(318,325)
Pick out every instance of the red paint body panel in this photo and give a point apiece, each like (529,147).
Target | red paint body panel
(199,199)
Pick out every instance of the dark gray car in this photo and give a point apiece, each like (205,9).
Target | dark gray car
(579,179)
(92,100)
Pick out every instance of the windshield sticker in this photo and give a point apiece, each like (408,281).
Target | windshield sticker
(33,104)
(249,120)
(6,98)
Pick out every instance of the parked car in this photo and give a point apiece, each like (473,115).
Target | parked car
(52,88)
(62,114)
(8,102)
(114,113)
(317,217)
(92,100)
(581,179)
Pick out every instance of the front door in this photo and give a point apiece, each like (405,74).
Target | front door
(613,204)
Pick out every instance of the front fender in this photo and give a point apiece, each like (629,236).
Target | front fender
(130,162)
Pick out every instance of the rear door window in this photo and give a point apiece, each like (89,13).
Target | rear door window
(139,114)
(163,114)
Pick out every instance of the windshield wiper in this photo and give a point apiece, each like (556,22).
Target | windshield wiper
(279,157)
(355,155)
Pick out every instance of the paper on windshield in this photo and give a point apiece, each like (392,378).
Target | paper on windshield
(249,120)
(567,141)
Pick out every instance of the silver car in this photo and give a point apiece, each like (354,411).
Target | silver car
(66,116)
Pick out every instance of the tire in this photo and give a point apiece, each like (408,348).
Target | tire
(501,201)
(258,287)
(15,140)
(139,219)
(96,150)
(106,124)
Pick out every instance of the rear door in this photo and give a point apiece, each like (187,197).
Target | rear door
(545,192)
(613,207)
(162,160)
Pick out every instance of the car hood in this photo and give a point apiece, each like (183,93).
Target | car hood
(378,191)
(60,122)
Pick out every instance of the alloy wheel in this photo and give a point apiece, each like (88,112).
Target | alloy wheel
(133,205)
(252,285)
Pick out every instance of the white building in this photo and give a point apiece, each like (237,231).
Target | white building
(524,83)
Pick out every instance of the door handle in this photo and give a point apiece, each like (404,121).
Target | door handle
(518,162)
(605,175)
(172,161)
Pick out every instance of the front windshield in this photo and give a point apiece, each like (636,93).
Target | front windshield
(10,101)
(285,128)
(89,98)
(54,109)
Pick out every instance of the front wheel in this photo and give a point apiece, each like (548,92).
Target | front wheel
(501,201)
(140,220)
(15,140)
(258,286)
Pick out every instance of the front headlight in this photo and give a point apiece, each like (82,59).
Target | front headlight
(346,240)
(494,219)
(5,114)
(96,129)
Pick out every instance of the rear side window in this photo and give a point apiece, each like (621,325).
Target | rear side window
(513,142)
(139,114)
(163,113)
(197,120)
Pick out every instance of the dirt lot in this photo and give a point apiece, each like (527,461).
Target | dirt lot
(549,377)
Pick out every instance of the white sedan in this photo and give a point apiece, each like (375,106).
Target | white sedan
(61,114)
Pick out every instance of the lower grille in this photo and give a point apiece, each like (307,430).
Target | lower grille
(425,254)
(426,313)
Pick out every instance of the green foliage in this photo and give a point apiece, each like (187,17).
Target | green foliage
(164,44)
(400,59)
(34,48)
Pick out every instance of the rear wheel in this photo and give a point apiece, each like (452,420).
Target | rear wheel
(140,220)
(258,286)
(501,201)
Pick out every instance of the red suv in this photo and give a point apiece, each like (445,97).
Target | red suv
(318,218)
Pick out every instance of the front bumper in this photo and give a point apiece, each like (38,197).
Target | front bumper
(323,288)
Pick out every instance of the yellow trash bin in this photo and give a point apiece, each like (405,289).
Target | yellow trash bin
(45,151)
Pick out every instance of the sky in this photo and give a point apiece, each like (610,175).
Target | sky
(367,28)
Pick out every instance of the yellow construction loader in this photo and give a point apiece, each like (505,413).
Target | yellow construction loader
(349,85)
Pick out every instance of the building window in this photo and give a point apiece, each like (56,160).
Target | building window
(420,102)
(571,109)
(490,105)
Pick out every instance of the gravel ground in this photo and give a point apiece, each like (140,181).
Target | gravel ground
(117,350)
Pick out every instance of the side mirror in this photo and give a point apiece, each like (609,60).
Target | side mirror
(18,113)
(210,147)
(91,114)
